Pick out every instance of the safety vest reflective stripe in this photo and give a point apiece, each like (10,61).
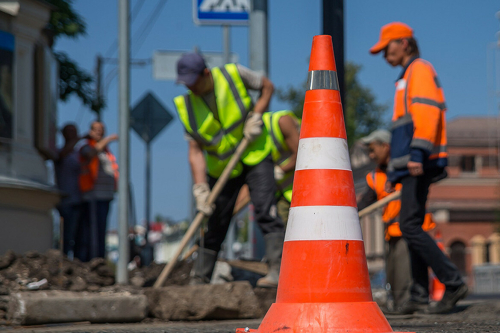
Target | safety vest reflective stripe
(280,153)
(236,94)
(192,122)
(400,162)
(428,101)
(279,146)
(322,79)
(406,119)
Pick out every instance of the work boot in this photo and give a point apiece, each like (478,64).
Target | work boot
(410,306)
(274,249)
(450,298)
(203,267)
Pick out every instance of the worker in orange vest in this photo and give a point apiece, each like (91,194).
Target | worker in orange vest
(98,183)
(397,265)
(418,158)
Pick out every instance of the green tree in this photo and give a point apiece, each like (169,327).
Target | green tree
(65,22)
(362,113)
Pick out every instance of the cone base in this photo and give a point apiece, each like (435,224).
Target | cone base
(352,317)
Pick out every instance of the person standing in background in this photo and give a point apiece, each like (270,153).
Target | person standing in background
(98,183)
(67,171)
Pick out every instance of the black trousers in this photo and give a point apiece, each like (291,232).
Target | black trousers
(91,235)
(260,181)
(424,251)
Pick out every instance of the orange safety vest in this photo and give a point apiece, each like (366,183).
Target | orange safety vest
(90,169)
(390,214)
(418,121)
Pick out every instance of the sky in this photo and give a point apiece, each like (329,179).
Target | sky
(453,35)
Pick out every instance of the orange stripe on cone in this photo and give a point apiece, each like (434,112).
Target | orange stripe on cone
(323,116)
(330,271)
(324,284)
(314,188)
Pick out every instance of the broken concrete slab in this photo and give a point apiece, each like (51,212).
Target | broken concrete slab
(45,307)
(234,300)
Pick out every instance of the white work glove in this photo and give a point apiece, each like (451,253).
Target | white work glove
(278,173)
(253,126)
(201,192)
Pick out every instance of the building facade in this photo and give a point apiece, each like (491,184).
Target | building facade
(466,205)
(28,97)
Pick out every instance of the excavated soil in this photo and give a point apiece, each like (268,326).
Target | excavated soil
(50,270)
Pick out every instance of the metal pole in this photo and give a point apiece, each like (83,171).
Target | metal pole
(98,83)
(148,187)
(258,37)
(333,25)
(227,43)
(124,99)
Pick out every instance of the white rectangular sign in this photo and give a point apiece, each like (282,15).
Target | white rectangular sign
(165,62)
(221,12)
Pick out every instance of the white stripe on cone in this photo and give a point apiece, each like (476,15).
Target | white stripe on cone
(323,153)
(323,223)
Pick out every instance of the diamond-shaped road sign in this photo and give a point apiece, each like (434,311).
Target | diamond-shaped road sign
(149,117)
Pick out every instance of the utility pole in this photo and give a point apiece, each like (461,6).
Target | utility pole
(333,25)
(258,37)
(98,89)
(227,43)
(124,116)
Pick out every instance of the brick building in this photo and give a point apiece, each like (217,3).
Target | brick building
(466,205)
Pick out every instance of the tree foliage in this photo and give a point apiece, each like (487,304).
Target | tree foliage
(73,80)
(362,113)
(64,21)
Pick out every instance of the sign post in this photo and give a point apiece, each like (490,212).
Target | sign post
(147,119)
(222,12)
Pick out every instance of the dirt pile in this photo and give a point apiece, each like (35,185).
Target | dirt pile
(36,271)
(52,271)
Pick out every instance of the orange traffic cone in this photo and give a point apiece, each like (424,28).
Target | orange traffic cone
(324,284)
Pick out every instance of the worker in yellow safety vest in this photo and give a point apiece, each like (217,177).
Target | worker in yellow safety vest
(216,114)
(283,127)
(397,264)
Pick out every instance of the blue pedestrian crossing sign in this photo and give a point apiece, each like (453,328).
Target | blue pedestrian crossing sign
(221,12)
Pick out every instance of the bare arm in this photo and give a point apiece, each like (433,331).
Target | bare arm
(99,146)
(197,162)
(288,127)
(265,97)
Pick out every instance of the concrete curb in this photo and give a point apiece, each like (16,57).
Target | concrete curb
(45,307)
(233,300)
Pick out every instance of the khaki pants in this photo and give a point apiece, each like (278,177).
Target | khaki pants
(283,209)
(398,270)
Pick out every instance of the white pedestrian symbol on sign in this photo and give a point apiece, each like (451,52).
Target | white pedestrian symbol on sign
(233,6)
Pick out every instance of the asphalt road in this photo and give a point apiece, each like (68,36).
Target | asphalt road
(472,315)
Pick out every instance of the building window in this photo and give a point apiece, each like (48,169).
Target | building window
(6,84)
(468,164)
(490,161)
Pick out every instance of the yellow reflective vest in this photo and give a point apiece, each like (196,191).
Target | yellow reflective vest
(220,138)
(280,152)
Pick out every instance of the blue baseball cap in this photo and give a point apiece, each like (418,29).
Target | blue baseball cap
(189,67)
